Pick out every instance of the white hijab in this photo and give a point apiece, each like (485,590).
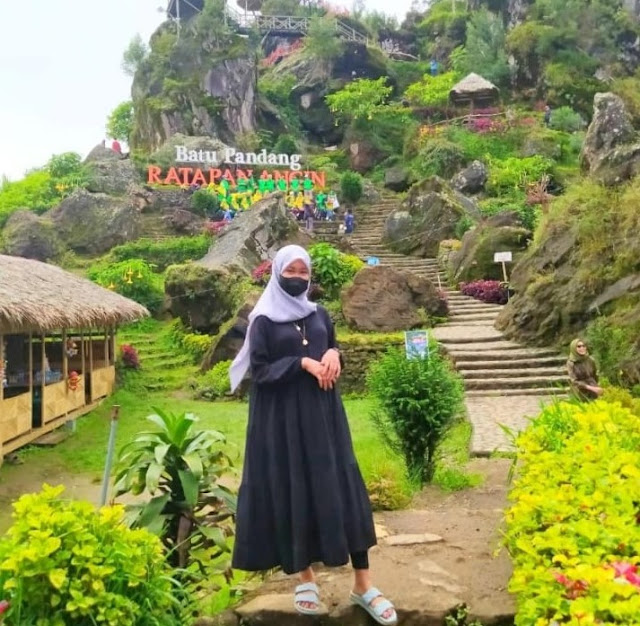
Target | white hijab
(276,304)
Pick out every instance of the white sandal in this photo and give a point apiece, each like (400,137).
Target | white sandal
(375,610)
(307,592)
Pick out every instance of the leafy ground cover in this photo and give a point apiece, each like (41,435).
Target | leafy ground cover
(573,531)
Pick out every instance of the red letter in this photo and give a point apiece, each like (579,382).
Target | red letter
(172,177)
(214,175)
(198,178)
(318,179)
(185,171)
(229,176)
(153,174)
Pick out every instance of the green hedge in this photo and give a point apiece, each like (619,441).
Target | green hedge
(574,529)
(161,254)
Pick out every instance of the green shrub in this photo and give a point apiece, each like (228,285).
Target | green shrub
(464,224)
(35,191)
(351,186)
(133,278)
(65,563)
(432,91)
(332,269)
(204,203)
(417,400)
(566,120)
(388,489)
(438,157)
(286,144)
(573,532)
(514,174)
(177,466)
(160,254)
(485,146)
(215,383)
(610,346)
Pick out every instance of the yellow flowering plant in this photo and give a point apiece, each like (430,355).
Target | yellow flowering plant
(64,563)
(573,530)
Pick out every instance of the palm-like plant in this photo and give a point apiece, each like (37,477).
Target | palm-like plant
(179,467)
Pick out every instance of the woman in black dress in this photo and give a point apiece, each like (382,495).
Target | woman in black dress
(302,499)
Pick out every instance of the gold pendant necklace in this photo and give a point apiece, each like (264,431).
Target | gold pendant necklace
(303,333)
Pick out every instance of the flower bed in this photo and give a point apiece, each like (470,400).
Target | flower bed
(573,531)
(489,291)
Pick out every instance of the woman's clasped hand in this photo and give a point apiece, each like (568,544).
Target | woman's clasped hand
(327,371)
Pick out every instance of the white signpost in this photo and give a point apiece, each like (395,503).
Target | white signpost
(504,258)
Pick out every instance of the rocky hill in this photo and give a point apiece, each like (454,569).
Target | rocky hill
(360,92)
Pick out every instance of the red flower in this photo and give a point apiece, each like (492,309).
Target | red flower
(4,606)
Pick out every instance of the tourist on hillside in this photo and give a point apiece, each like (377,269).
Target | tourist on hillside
(547,115)
(583,373)
(309,215)
(116,147)
(302,499)
(349,222)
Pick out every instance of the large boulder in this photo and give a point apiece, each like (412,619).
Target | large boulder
(93,223)
(227,343)
(102,153)
(112,176)
(397,178)
(217,97)
(203,298)
(254,236)
(384,299)
(474,260)
(471,179)
(611,150)
(429,215)
(363,155)
(29,236)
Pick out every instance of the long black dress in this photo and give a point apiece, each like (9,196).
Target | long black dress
(302,499)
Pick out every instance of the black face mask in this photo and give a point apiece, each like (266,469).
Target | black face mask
(294,286)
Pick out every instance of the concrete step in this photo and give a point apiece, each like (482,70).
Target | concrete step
(520,382)
(471,307)
(516,353)
(515,372)
(531,391)
(520,365)
(483,346)
(458,318)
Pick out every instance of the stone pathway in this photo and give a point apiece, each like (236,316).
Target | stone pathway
(427,561)
(506,383)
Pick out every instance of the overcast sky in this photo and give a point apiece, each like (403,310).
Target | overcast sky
(60,72)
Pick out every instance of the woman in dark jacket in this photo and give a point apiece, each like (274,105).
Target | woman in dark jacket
(583,372)
(302,499)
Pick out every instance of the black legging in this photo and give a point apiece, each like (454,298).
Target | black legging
(360,560)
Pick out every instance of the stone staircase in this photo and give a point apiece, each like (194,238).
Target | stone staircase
(488,364)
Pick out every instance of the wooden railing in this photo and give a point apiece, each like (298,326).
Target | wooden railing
(289,24)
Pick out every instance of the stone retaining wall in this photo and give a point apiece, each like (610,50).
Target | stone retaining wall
(357,357)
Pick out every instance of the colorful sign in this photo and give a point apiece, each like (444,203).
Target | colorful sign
(416,343)
(237,167)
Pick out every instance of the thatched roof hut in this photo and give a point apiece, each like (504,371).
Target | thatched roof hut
(37,297)
(474,90)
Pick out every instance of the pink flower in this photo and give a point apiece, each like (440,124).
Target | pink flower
(4,606)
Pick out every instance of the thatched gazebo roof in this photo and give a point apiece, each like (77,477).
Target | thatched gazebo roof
(37,297)
(474,88)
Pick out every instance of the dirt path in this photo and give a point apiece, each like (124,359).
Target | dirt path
(426,576)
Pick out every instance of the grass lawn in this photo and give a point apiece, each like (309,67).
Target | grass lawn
(84,452)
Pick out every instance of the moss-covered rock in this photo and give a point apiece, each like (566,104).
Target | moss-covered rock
(27,235)
(255,236)
(583,262)
(474,260)
(202,298)
(93,223)
(429,215)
